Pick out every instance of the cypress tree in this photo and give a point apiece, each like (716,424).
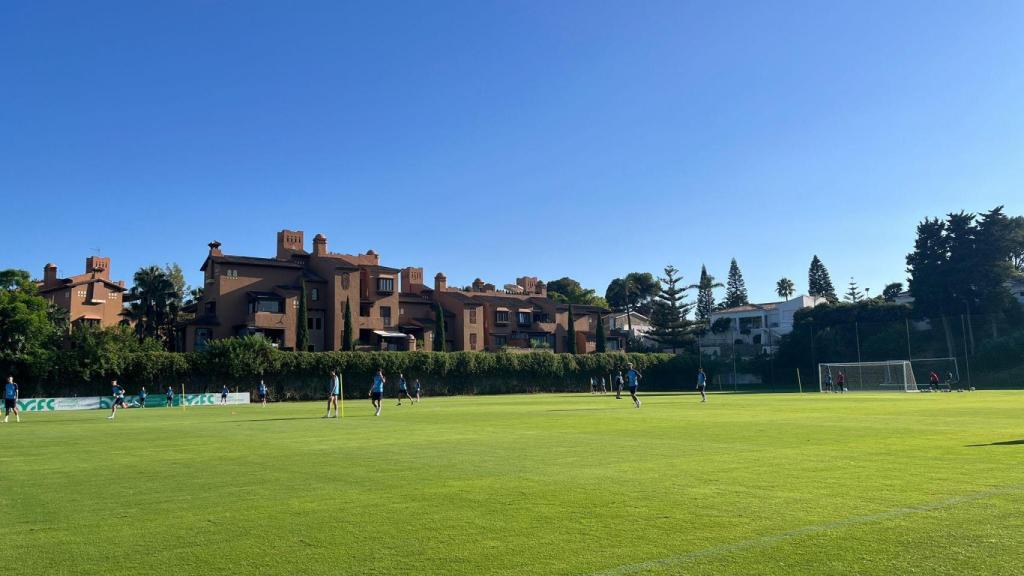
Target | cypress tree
(570,333)
(819,283)
(348,341)
(302,327)
(601,338)
(705,297)
(735,288)
(439,333)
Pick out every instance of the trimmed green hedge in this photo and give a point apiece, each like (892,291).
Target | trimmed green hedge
(240,362)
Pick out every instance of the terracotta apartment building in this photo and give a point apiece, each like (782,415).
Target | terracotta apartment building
(392,309)
(89,298)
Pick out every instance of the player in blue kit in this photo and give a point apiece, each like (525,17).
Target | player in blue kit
(702,384)
(403,389)
(333,390)
(224,391)
(633,378)
(377,390)
(117,391)
(11,400)
(262,391)
(170,396)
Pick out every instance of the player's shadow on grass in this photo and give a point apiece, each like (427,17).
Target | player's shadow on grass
(1005,443)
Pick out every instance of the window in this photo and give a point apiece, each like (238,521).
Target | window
(501,317)
(315,323)
(210,308)
(268,305)
(385,315)
(524,318)
(231,273)
(472,341)
(472,315)
(540,316)
(314,294)
(500,341)
(385,285)
(202,337)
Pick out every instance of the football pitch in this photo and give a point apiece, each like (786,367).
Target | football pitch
(546,484)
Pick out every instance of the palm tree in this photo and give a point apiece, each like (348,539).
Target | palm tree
(152,304)
(785,288)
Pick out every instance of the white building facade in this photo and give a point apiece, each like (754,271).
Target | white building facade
(755,327)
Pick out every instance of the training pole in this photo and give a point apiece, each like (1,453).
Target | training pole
(182,398)
(341,390)
(799,382)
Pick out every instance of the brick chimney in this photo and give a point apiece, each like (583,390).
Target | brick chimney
(478,285)
(440,282)
(542,289)
(412,280)
(215,248)
(98,266)
(320,245)
(50,274)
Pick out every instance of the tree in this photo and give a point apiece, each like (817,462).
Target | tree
(565,290)
(1017,243)
(302,321)
(891,291)
(962,264)
(819,283)
(632,293)
(705,297)
(440,339)
(735,288)
(785,288)
(348,337)
(669,326)
(853,293)
(602,343)
(570,333)
(27,329)
(154,302)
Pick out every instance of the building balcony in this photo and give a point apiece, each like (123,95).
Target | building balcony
(269,320)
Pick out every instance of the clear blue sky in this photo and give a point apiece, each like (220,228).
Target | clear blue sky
(587,139)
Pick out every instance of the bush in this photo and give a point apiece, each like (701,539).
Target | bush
(242,362)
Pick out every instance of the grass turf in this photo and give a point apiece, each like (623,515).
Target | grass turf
(548,484)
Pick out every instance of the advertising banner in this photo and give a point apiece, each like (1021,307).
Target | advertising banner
(104,402)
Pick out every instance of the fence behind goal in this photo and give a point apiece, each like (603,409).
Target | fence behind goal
(890,376)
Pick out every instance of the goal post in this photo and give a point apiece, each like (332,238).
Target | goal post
(945,368)
(887,376)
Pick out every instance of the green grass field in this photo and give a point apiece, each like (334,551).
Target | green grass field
(549,484)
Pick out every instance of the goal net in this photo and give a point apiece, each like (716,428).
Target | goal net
(945,368)
(892,376)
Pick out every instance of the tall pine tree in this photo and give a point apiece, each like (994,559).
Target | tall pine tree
(853,293)
(735,288)
(302,322)
(705,297)
(348,338)
(440,338)
(602,342)
(669,325)
(819,283)
(570,333)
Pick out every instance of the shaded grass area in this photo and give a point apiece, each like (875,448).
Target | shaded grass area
(547,484)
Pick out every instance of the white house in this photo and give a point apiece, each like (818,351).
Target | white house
(756,326)
(618,323)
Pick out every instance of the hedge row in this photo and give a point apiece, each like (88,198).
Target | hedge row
(241,363)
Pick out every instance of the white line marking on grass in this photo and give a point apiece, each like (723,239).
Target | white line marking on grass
(805,531)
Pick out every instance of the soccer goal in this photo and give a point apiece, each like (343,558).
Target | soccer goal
(945,368)
(892,376)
